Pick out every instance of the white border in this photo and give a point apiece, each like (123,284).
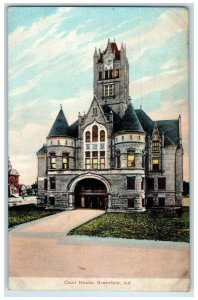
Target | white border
(3,133)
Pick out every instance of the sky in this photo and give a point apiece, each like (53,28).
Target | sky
(50,62)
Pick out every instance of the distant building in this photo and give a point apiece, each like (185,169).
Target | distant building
(113,156)
(13,181)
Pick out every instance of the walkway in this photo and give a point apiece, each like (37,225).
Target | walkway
(41,256)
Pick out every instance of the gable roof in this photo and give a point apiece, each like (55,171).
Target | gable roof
(170,128)
(60,126)
(130,121)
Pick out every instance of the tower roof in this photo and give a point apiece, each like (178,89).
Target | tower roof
(130,121)
(60,126)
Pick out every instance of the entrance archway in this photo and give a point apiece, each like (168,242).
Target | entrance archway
(90,193)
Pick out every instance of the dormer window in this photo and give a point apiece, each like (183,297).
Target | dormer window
(156,146)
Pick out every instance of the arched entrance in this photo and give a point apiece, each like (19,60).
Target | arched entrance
(90,193)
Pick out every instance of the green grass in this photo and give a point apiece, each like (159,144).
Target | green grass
(153,225)
(26,213)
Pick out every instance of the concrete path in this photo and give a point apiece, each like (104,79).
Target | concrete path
(41,250)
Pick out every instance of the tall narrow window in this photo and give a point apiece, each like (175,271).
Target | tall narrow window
(87,136)
(143,162)
(65,161)
(131,183)
(131,202)
(100,75)
(52,183)
(102,135)
(142,184)
(45,184)
(102,163)
(150,183)
(118,161)
(155,163)
(52,161)
(161,183)
(106,74)
(155,146)
(95,163)
(130,159)
(95,133)
(95,110)
(87,163)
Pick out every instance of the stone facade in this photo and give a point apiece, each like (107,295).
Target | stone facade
(113,157)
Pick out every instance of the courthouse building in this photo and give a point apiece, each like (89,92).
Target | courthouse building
(114,156)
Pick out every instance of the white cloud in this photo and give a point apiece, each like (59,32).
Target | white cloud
(163,81)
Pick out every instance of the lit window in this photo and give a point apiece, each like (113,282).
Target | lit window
(65,161)
(102,135)
(95,133)
(155,146)
(95,163)
(102,163)
(155,163)
(52,161)
(87,136)
(87,163)
(130,159)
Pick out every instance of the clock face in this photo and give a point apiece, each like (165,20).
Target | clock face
(108,62)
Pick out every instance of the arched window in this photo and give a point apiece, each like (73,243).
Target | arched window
(95,133)
(87,136)
(102,135)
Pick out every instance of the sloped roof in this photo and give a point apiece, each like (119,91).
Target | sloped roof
(42,150)
(170,128)
(13,172)
(106,109)
(171,131)
(73,129)
(60,126)
(130,121)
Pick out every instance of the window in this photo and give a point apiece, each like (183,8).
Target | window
(95,163)
(58,142)
(130,159)
(149,201)
(66,142)
(131,203)
(122,138)
(65,161)
(87,163)
(143,162)
(95,110)
(155,163)
(52,183)
(87,154)
(87,136)
(102,135)
(102,163)
(95,153)
(155,146)
(161,201)
(45,184)
(108,90)
(52,161)
(150,183)
(95,133)
(52,200)
(161,183)
(143,202)
(118,161)
(102,153)
(100,75)
(131,137)
(142,184)
(131,183)
(106,74)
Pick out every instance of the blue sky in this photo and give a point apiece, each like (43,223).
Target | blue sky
(50,62)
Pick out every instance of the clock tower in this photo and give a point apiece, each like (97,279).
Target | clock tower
(111,77)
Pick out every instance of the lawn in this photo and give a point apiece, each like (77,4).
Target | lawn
(149,225)
(26,213)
